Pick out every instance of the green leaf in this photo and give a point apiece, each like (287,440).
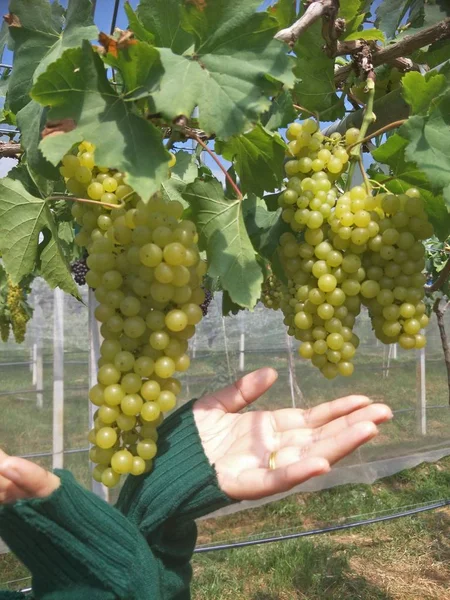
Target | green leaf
(316,90)
(31,120)
(407,175)
(284,12)
(184,172)
(349,9)
(230,72)
(137,27)
(76,87)
(163,18)
(281,112)
(263,226)
(390,14)
(366,34)
(228,306)
(420,92)
(429,142)
(22,219)
(39,41)
(223,235)
(138,64)
(258,157)
(4,35)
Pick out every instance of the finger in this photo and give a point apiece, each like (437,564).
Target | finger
(244,391)
(331,449)
(31,479)
(376,413)
(293,418)
(9,492)
(258,483)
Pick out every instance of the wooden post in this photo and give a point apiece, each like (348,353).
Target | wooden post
(421,392)
(58,379)
(94,354)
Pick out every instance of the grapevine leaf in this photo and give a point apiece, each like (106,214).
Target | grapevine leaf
(76,87)
(228,73)
(184,172)
(408,175)
(316,90)
(228,306)
(284,12)
(258,157)
(137,65)
(31,120)
(22,219)
(162,18)
(366,34)
(281,112)
(390,14)
(39,41)
(429,142)
(223,235)
(263,226)
(420,92)
(4,35)
(137,27)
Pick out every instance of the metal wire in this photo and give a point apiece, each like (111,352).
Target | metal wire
(114,18)
(331,529)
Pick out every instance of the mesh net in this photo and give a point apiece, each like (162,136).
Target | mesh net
(414,384)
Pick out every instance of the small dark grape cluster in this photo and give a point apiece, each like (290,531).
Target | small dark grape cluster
(79,270)
(207,302)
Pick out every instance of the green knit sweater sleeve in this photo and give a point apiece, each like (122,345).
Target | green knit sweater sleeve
(77,546)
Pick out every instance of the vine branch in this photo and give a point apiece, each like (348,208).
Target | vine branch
(443,276)
(195,137)
(10,150)
(394,53)
(440,312)
(316,10)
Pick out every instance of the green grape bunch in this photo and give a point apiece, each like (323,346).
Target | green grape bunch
(345,250)
(146,273)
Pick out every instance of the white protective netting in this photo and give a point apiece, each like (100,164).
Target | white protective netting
(45,411)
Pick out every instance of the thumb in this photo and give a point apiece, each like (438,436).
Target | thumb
(29,478)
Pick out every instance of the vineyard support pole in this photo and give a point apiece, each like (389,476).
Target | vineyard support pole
(94,354)
(33,363)
(38,375)
(421,392)
(58,379)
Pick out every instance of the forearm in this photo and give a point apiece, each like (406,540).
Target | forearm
(73,540)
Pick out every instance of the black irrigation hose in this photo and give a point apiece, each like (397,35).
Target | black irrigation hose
(281,538)
(292,536)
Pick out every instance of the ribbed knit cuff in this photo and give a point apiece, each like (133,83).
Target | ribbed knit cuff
(182,485)
(71,537)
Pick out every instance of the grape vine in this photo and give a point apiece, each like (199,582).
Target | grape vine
(118,160)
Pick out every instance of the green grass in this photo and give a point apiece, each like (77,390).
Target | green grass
(401,560)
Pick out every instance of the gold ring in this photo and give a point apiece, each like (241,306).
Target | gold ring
(272,464)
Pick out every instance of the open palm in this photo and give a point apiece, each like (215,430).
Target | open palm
(305,443)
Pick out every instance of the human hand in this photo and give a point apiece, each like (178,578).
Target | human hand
(21,479)
(303,443)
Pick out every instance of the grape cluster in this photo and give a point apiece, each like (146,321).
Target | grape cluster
(345,250)
(208,299)
(79,271)
(145,268)
(4,330)
(17,314)
(272,292)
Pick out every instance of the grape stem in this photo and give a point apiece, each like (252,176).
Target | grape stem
(368,119)
(380,131)
(303,109)
(88,201)
(218,163)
